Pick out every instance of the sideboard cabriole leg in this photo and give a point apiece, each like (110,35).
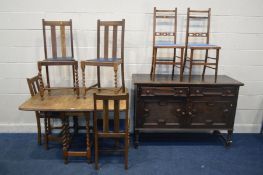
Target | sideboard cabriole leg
(229,137)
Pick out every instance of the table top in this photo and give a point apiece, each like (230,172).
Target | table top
(66,100)
(166,79)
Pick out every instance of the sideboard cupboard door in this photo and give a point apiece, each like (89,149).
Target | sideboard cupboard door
(161,113)
(216,113)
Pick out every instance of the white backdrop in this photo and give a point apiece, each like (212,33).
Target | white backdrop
(236,25)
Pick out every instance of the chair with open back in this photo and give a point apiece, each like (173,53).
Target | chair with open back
(160,18)
(198,28)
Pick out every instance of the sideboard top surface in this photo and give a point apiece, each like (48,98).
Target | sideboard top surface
(196,80)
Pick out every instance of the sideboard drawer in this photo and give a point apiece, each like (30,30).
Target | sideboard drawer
(212,91)
(164,91)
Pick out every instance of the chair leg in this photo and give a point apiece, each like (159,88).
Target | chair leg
(49,126)
(98,76)
(174,57)
(64,138)
(87,138)
(216,68)
(46,132)
(75,124)
(126,152)
(122,77)
(154,63)
(41,84)
(48,82)
(204,69)
(83,78)
(116,76)
(96,152)
(38,129)
(185,58)
(76,78)
(181,64)
(191,64)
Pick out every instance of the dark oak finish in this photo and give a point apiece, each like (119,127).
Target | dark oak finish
(106,60)
(106,131)
(59,57)
(193,31)
(172,105)
(159,17)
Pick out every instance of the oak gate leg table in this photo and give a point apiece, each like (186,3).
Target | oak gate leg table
(65,103)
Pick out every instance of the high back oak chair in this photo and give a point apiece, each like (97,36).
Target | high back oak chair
(193,32)
(34,87)
(107,131)
(111,57)
(62,52)
(165,16)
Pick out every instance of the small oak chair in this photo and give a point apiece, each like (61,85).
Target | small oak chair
(193,31)
(117,55)
(61,53)
(34,87)
(162,17)
(107,131)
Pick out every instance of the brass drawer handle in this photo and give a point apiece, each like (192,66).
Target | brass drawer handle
(161,121)
(226,110)
(209,121)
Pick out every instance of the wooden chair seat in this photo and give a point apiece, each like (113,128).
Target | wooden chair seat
(202,46)
(104,61)
(168,45)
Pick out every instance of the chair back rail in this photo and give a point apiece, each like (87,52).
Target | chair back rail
(110,28)
(164,15)
(63,27)
(194,15)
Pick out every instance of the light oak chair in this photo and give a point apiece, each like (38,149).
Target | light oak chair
(62,53)
(106,131)
(34,87)
(116,58)
(161,17)
(193,32)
